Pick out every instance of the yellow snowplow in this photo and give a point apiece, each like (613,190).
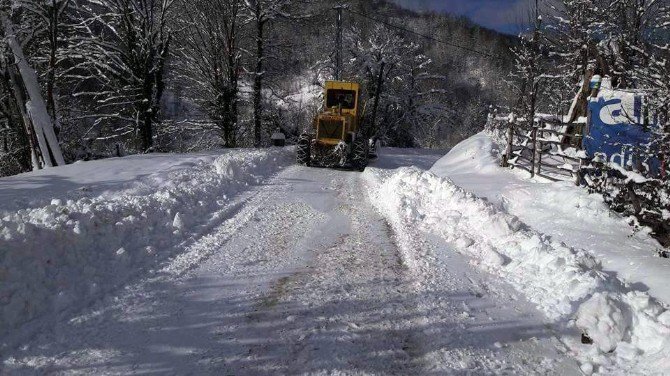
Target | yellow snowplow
(335,138)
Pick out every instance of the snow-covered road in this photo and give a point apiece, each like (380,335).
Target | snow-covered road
(305,276)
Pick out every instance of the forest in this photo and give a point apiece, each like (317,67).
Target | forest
(90,79)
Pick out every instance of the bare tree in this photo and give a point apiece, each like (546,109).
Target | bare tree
(125,55)
(210,60)
(529,70)
(260,13)
(396,74)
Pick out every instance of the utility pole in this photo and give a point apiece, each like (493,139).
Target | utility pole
(338,43)
(372,129)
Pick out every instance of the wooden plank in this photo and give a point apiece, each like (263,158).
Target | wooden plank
(557,168)
(523,156)
(521,167)
(534,152)
(523,136)
(565,156)
(522,149)
(559,133)
(538,155)
(552,142)
(548,177)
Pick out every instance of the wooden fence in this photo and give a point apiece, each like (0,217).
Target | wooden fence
(548,149)
(552,150)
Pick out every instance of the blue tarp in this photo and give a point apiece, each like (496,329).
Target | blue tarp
(616,127)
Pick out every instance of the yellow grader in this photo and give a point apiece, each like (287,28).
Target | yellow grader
(336,138)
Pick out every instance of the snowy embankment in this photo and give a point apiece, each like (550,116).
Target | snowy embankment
(630,330)
(68,235)
(562,211)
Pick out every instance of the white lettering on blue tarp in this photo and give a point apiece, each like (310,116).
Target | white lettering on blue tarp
(616,127)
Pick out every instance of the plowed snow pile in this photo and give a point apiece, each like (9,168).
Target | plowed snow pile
(630,330)
(70,246)
(563,211)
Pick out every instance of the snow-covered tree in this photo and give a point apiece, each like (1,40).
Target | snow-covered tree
(624,37)
(125,51)
(574,32)
(260,13)
(50,43)
(656,78)
(101,68)
(529,71)
(209,49)
(409,110)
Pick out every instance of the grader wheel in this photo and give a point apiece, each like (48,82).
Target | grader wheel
(303,156)
(359,154)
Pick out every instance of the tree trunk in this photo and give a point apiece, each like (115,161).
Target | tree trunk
(229,117)
(234,117)
(378,92)
(51,76)
(154,87)
(258,82)
(145,119)
(146,132)
(233,77)
(580,102)
(230,136)
(231,139)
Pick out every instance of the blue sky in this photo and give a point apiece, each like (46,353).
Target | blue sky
(501,15)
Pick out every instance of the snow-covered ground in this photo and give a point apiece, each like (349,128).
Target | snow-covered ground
(557,245)
(563,211)
(240,262)
(300,274)
(70,234)
(92,179)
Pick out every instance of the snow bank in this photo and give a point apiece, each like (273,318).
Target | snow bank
(563,211)
(71,251)
(567,284)
(139,174)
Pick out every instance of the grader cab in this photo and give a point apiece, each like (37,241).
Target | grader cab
(336,138)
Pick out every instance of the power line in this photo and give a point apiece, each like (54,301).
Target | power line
(388,24)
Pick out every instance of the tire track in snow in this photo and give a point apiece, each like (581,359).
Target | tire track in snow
(306,278)
(491,330)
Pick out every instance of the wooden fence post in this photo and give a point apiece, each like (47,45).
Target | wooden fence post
(510,143)
(583,162)
(538,148)
(534,152)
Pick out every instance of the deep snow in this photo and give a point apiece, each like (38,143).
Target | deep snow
(241,263)
(87,228)
(569,284)
(302,275)
(563,211)
(136,173)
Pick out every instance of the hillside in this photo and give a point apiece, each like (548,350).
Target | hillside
(460,82)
